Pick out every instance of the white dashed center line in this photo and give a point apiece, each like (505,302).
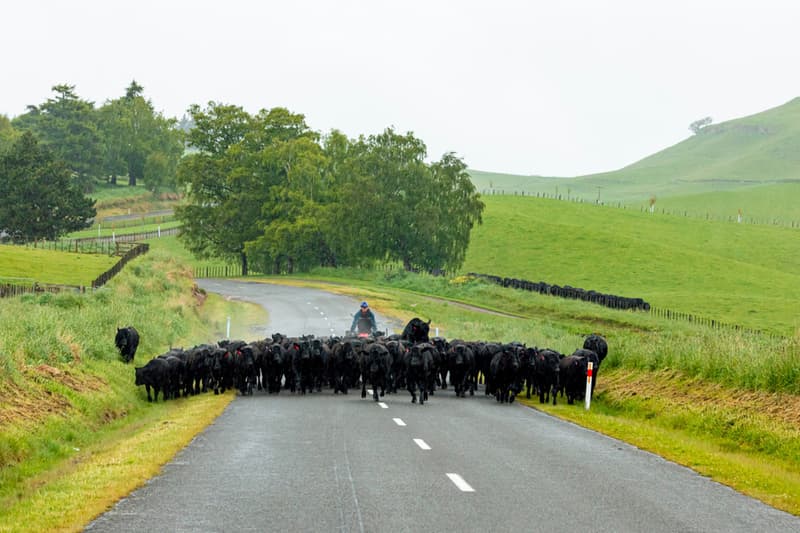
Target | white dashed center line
(424,445)
(399,421)
(383,405)
(459,482)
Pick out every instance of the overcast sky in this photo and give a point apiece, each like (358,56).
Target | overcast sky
(558,88)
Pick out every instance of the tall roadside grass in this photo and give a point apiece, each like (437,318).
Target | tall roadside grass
(63,387)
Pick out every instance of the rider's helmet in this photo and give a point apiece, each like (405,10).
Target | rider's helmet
(364,305)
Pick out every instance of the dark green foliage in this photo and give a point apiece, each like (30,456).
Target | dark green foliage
(38,200)
(263,191)
(68,126)
(139,141)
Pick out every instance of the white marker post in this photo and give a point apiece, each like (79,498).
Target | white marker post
(437,332)
(589,385)
(228,331)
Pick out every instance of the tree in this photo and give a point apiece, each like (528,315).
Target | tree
(38,199)
(393,206)
(139,141)
(698,125)
(68,126)
(8,134)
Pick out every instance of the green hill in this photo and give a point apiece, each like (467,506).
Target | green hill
(744,163)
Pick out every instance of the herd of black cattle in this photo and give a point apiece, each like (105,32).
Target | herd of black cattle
(410,360)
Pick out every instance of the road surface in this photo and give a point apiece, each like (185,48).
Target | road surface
(325,462)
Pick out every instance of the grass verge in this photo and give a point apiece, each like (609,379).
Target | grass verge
(75,433)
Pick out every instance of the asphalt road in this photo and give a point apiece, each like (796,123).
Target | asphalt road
(325,462)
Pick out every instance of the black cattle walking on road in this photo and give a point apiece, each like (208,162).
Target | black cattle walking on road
(416,331)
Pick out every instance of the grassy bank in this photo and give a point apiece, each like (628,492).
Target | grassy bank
(74,430)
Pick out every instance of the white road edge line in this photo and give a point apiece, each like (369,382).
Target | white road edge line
(424,445)
(399,421)
(459,482)
(383,405)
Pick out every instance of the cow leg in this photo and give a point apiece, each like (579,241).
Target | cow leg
(363,389)
(147,388)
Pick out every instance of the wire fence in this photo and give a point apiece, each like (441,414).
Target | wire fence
(688,213)
(135,251)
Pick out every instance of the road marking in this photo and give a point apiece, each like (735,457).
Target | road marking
(459,482)
(316,308)
(399,421)
(424,445)
(383,405)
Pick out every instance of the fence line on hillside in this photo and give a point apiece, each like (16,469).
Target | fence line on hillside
(9,290)
(774,221)
(135,251)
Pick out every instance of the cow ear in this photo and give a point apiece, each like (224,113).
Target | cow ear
(428,322)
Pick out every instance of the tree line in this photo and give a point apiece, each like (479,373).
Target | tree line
(265,190)
(260,188)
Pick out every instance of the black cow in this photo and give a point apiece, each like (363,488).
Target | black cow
(127,340)
(320,354)
(154,374)
(176,370)
(591,357)
(416,331)
(527,370)
(597,344)
(572,377)
(343,365)
(504,374)
(375,361)
(228,364)
(441,361)
(272,364)
(546,374)
(461,365)
(397,371)
(246,371)
(419,370)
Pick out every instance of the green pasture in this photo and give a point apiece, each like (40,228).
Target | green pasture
(765,204)
(47,266)
(106,192)
(735,273)
(107,229)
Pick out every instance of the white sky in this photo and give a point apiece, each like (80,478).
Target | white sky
(528,87)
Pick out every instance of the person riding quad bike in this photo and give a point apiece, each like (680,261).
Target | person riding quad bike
(364,320)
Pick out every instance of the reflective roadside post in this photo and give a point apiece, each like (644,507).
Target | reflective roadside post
(589,385)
